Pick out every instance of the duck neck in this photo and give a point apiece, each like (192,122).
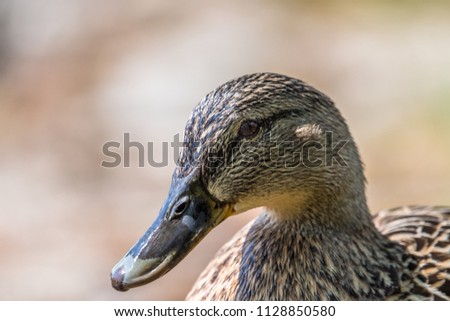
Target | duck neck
(309,262)
(325,210)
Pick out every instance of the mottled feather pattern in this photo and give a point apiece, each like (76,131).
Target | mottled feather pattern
(300,264)
(216,110)
(425,233)
(316,239)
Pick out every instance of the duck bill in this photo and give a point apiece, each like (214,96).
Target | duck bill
(187,215)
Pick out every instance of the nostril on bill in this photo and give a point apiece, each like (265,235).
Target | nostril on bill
(181,207)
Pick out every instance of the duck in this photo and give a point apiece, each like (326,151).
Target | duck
(272,141)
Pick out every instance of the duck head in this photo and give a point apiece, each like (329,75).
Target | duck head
(259,140)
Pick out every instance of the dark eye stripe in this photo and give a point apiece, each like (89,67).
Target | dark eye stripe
(248,129)
(284,114)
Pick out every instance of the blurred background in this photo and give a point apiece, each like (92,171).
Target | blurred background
(77,74)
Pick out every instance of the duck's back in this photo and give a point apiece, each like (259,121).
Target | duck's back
(425,233)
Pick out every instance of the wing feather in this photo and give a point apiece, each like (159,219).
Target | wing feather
(425,233)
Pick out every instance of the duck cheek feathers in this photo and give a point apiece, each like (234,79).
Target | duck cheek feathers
(188,214)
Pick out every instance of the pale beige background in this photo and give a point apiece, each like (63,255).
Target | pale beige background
(75,74)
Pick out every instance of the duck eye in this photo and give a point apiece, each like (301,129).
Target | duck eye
(248,129)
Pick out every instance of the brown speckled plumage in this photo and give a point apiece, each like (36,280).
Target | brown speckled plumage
(424,232)
(325,247)
(268,140)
